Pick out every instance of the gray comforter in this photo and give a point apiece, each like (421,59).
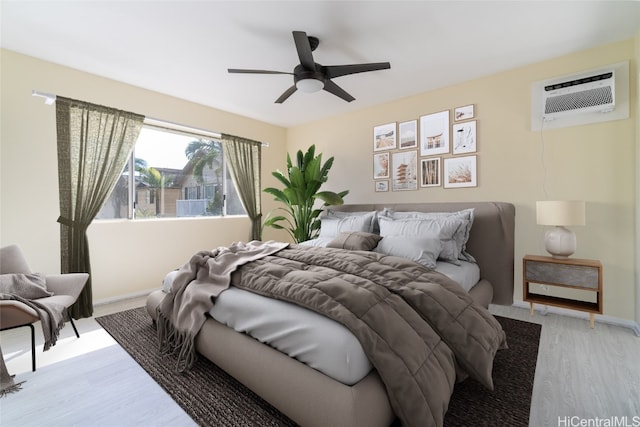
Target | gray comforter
(417,327)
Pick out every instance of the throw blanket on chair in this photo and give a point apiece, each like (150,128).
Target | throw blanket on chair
(28,289)
(183,310)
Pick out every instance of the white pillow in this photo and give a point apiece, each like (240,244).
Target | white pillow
(331,226)
(462,235)
(442,229)
(424,250)
(371,215)
(344,214)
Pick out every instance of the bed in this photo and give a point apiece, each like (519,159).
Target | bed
(312,398)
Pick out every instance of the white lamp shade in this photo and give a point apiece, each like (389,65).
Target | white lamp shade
(565,212)
(309,85)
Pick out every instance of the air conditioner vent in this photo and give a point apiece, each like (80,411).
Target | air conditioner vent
(578,100)
(590,96)
(577,82)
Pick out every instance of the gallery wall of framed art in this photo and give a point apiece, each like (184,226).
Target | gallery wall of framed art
(434,150)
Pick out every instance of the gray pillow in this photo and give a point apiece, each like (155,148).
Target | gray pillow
(29,286)
(368,215)
(460,237)
(332,226)
(442,229)
(423,250)
(355,241)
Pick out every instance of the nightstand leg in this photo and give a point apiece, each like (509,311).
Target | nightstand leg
(592,320)
(531,309)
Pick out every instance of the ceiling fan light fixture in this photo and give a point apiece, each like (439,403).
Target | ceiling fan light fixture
(311,77)
(310,85)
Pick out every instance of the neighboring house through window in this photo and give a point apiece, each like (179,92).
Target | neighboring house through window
(175,174)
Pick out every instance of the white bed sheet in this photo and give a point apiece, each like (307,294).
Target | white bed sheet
(305,335)
(467,274)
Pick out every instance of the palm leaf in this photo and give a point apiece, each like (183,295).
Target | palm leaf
(278,194)
(280,177)
(325,168)
(312,172)
(330,198)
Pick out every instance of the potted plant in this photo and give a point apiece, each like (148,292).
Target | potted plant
(301,189)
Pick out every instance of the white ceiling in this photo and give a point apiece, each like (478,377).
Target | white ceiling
(183,48)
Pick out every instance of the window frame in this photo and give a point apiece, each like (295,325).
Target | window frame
(183,130)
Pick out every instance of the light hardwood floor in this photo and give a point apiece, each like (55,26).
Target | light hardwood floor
(581,374)
(90,381)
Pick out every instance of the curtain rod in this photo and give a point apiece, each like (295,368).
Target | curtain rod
(175,127)
(50,98)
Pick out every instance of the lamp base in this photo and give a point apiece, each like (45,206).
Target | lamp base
(560,242)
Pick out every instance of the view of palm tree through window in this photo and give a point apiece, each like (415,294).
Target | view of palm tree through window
(175,175)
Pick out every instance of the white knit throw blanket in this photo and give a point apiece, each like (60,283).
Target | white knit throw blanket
(182,312)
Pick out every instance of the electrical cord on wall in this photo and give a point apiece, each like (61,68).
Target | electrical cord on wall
(544,288)
(544,166)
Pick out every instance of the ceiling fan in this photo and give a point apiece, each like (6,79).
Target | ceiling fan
(309,76)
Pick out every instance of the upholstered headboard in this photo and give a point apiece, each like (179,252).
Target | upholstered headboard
(491,240)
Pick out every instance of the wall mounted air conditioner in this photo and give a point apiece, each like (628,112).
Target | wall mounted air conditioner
(582,98)
(591,93)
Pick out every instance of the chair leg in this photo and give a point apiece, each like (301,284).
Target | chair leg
(72,324)
(33,348)
(33,342)
(74,327)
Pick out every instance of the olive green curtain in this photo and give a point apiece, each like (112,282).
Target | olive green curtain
(244,159)
(94,144)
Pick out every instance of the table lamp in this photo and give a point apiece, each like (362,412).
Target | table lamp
(560,242)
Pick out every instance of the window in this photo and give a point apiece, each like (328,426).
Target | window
(175,174)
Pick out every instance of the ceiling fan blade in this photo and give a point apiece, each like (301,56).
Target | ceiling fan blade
(333,88)
(241,71)
(287,93)
(333,71)
(304,50)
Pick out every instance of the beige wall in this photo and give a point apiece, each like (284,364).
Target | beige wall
(594,162)
(127,256)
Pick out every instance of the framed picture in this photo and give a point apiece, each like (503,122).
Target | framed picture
(408,132)
(460,172)
(384,137)
(382,186)
(430,172)
(381,165)
(405,170)
(464,113)
(434,133)
(464,137)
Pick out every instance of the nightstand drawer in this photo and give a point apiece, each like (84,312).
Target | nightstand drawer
(569,275)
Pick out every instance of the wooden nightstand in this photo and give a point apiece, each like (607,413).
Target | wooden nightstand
(583,274)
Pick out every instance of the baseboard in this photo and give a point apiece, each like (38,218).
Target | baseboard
(610,320)
(123,297)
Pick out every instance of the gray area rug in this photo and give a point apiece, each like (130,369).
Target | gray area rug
(213,398)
